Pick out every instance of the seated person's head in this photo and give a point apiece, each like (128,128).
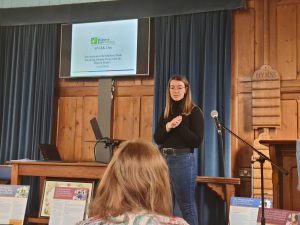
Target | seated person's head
(136,179)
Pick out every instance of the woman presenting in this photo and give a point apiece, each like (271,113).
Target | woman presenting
(179,131)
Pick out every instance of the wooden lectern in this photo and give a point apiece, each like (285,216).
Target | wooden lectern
(285,193)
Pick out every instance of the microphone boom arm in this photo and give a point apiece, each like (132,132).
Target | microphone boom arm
(261,160)
(263,156)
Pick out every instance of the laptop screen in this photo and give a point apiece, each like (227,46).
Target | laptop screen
(96,129)
(49,152)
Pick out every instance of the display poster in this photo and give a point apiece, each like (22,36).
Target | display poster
(279,217)
(13,202)
(245,210)
(49,188)
(68,205)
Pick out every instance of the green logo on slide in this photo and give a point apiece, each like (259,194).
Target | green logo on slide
(94,40)
(101,41)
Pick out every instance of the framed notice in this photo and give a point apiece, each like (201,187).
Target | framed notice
(245,210)
(13,202)
(49,190)
(68,206)
(279,217)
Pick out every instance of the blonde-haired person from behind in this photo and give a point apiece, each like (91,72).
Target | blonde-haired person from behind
(135,189)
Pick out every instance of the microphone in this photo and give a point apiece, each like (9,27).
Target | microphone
(108,141)
(214,115)
(105,140)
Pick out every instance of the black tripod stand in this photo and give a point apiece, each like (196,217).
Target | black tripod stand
(109,143)
(262,158)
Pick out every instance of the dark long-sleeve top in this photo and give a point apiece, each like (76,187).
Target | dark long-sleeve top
(188,134)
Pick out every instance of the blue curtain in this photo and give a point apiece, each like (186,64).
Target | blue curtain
(199,46)
(27,81)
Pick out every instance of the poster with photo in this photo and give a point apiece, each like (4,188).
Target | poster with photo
(245,210)
(49,190)
(68,205)
(279,217)
(13,202)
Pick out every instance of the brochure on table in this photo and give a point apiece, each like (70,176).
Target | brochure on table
(280,217)
(247,211)
(243,210)
(13,202)
(68,206)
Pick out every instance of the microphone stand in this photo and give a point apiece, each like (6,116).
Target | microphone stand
(97,142)
(262,158)
(221,148)
(108,143)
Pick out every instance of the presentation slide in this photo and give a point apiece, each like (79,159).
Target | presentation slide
(104,48)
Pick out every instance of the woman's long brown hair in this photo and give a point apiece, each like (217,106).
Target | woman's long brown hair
(136,179)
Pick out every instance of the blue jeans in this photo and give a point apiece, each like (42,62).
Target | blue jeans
(183,176)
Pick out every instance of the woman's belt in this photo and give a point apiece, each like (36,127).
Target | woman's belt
(174,151)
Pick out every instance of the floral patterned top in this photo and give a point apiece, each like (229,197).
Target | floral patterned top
(135,219)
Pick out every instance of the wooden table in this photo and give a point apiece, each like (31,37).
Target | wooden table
(84,170)
(43,169)
(224,187)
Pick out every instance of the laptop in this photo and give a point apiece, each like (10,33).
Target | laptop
(96,129)
(102,153)
(49,152)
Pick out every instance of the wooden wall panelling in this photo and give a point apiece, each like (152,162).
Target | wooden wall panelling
(243,46)
(149,81)
(292,199)
(78,130)
(245,131)
(272,20)
(298,41)
(128,82)
(126,117)
(133,108)
(74,131)
(289,126)
(243,66)
(146,117)
(90,110)
(93,82)
(290,89)
(77,104)
(75,87)
(261,33)
(239,158)
(67,109)
(286,41)
(295,194)
(262,102)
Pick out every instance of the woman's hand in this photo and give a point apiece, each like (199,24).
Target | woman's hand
(173,123)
